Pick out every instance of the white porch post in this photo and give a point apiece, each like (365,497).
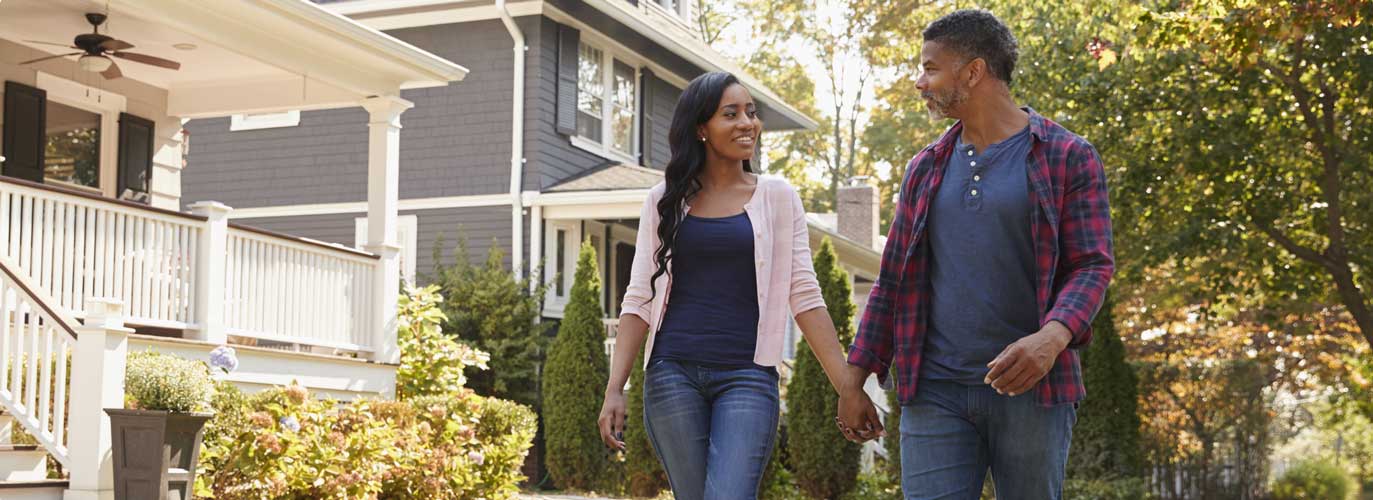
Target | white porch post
(535,246)
(97,383)
(383,177)
(211,257)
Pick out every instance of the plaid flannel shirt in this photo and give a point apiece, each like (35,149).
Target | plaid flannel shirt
(1071,227)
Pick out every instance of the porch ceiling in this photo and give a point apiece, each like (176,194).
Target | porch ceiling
(248,57)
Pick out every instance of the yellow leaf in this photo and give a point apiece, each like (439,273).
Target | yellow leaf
(1108,57)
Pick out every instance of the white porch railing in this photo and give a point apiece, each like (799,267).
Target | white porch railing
(189,272)
(612,328)
(36,342)
(289,291)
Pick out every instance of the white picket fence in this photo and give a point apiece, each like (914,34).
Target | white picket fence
(191,272)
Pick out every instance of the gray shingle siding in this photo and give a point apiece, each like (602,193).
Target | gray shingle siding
(454,142)
(552,157)
(481,226)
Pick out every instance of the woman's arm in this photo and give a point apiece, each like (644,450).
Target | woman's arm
(634,316)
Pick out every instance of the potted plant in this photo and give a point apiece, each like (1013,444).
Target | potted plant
(156,438)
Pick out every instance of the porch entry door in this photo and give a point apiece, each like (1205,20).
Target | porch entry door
(25,141)
(624,263)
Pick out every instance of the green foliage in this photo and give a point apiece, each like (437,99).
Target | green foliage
(892,443)
(573,384)
(1106,441)
(1313,480)
(283,445)
(498,314)
(879,486)
(157,381)
(644,474)
(431,363)
(825,464)
(1106,489)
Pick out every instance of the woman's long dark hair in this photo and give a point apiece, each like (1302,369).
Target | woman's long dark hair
(697,105)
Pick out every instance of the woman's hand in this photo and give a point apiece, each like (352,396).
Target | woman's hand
(857,417)
(612,421)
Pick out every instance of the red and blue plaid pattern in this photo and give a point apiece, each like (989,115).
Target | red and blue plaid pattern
(1071,224)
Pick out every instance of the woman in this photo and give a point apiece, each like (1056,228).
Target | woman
(722,254)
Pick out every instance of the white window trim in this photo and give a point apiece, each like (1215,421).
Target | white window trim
(610,53)
(108,106)
(682,16)
(264,120)
(553,304)
(407,236)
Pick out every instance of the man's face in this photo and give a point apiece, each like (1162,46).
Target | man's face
(942,82)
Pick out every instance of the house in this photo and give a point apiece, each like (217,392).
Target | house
(96,257)
(555,138)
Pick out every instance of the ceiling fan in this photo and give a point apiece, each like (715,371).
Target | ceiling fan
(96,49)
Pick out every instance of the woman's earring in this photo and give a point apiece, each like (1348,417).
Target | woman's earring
(703,139)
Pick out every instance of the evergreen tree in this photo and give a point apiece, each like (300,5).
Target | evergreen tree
(643,472)
(1106,442)
(573,384)
(825,464)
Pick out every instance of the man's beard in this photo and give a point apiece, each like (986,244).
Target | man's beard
(939,105)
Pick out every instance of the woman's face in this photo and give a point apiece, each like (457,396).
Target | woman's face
(732,132)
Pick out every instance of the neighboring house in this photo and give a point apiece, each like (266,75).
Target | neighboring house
(555,138)
(95,258)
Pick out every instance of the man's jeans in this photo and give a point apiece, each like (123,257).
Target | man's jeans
(713,428)
(952,433)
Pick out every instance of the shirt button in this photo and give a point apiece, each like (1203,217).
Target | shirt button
(970,151)
(974,163)
(977,178)
(974,192)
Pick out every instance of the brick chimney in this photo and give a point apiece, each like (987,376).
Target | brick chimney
(858,212)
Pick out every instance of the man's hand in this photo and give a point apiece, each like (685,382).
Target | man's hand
(857,418)
(1024,363)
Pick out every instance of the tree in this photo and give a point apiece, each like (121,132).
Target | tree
(488,307)
(573,384)
(825,464)
(643,472)
(1267,193)
(1106,438)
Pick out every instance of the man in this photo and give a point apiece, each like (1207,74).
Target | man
(996,262)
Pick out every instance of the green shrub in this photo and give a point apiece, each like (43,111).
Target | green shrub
(574,385)
(157,381)
(283,445)
(1106,442)
(1106,489)
(489,308)
(430,362)
(824,462)
(644,474)
(1314,480)
(878,486)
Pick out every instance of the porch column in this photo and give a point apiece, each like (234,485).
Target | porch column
(383,176)
(536,273)
(97,382)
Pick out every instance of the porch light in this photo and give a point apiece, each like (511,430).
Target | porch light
(94,64)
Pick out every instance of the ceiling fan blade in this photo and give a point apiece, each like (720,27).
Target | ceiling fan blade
(63,45)
(112,73)
(113,44)
(146,59)
(51,57)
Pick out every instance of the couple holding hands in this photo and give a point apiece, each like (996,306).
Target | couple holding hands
(996,261)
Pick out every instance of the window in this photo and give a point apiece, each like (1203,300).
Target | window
(72,152)
(607,103)
(407,229)
(679,8)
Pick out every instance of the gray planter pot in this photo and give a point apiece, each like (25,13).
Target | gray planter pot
(155,453)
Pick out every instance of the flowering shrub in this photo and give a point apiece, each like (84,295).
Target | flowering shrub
(274,445)
(430,362)
(440,442)
(157,381)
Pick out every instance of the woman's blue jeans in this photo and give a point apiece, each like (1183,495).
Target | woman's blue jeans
(713,428)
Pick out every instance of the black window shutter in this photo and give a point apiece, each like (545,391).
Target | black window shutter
(646,118)
(569,43)
(25,141)
(135,158)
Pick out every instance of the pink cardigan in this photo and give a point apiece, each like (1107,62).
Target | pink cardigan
(781,250)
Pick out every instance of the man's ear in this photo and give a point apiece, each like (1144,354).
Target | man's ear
(975,71)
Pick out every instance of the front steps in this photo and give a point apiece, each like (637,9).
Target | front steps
(24,468)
